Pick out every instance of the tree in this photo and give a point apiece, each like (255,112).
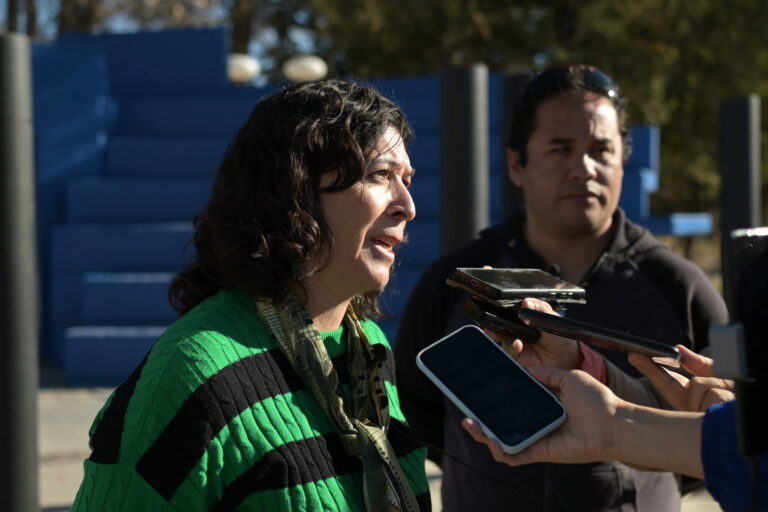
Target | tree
(31,9)
(30,14)
(675,59)
(80,15)
(241,18)
(12,15)
(281,29)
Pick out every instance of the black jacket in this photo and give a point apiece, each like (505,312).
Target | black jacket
(638,285)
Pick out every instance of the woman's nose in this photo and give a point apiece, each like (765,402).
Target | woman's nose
(403,204)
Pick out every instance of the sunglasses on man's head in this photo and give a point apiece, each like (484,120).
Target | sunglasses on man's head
(554,79)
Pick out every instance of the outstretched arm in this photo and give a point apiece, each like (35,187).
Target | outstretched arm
(601,426)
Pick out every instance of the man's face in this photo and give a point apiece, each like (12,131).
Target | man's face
(572,180)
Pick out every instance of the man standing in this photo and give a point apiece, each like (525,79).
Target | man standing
(568,141)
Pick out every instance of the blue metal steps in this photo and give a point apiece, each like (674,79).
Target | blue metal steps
(126,298)
(142,255)
(134,200)
(152,156)
(120,247)
(105,355)
(202,117)
(122,315)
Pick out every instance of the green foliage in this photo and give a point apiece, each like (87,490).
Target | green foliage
(675,59)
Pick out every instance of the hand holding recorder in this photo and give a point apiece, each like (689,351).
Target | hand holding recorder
(549,350)
(496,296)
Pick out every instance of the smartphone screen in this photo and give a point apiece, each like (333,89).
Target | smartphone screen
(492,388)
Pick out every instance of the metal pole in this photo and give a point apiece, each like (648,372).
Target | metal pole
(512,89)
(740,163)
(463,154)
(19,285)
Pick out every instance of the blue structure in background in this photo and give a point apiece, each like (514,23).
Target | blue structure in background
(130,129)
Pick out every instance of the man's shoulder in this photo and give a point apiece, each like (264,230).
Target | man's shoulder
(678,279)
(651,254)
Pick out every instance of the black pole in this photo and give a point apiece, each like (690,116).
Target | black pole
(512,88)
(740,163)
(19,288)
(463,154)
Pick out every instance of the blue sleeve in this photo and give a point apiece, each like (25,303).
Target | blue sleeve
(726,473)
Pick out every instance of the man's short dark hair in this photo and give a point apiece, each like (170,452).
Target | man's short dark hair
(559,81)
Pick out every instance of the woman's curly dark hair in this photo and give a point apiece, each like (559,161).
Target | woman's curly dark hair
(264,219)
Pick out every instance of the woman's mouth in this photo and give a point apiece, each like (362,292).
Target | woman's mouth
(386,244)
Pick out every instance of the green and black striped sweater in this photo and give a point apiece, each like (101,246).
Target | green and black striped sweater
(215,418)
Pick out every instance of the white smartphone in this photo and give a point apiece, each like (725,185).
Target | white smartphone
(490,387)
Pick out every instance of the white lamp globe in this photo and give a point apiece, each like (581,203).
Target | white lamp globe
(304,68)
(242,68)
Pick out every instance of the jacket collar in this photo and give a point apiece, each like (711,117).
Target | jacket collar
(628,239)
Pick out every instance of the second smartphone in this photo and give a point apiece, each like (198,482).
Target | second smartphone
(490,387)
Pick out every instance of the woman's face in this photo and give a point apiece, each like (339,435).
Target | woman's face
(367,220)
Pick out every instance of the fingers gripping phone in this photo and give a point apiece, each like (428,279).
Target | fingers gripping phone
(490,387)
(503,320)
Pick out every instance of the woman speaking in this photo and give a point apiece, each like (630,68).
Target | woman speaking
(273,391)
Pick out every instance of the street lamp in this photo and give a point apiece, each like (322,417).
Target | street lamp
(304,68)
(242,68)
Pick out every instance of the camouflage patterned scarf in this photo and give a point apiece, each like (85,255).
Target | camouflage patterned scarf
(363,425)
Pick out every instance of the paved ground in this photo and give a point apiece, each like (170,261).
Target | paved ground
(65,415)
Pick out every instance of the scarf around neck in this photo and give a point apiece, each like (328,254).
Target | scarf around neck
(363,423)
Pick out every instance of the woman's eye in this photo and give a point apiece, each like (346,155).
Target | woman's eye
(379,175)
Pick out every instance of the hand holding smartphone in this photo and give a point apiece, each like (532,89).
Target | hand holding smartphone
(490,387)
